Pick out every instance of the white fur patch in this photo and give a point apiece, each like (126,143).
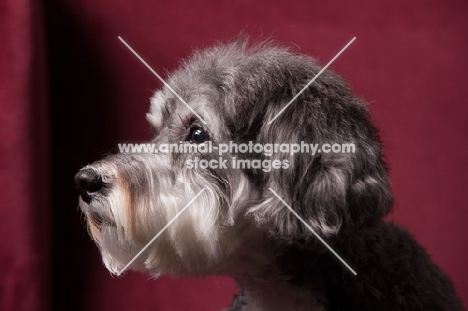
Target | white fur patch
(155,115)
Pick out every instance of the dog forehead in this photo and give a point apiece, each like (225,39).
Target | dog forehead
(220,85)
(165,106)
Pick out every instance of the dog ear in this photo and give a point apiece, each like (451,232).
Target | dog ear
(332,192)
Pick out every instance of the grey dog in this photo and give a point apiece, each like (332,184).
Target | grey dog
(238,222)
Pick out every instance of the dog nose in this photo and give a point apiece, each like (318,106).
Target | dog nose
(88,181)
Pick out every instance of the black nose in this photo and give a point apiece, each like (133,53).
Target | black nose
(88,181)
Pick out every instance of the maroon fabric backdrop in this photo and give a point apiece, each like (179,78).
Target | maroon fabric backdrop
(409,61)
(24,207)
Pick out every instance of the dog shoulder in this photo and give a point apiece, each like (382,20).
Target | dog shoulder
(394,273)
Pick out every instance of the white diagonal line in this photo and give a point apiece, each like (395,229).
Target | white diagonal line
(160,232)
(161,79)
(312,81)
(312,230)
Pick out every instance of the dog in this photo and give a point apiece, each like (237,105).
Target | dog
(236,222)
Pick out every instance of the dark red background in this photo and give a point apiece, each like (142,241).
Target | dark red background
(70,91)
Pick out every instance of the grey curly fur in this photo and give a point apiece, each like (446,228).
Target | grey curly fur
(347,192)
(276,261)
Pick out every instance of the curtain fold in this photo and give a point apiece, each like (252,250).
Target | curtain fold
(24,212)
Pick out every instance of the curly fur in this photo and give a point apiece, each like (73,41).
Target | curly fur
(239,228)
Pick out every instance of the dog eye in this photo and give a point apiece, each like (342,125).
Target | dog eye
(197,135)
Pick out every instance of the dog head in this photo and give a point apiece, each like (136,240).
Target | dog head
(232,93)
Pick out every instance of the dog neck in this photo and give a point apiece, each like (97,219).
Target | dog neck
(265,281)
(261,294)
